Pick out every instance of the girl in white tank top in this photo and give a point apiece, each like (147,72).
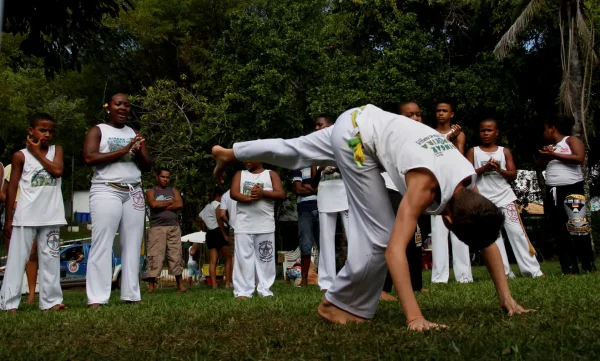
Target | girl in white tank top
(560,173)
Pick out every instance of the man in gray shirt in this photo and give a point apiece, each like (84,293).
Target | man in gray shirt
(164,203)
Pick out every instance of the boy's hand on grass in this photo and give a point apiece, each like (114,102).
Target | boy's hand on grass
(421,324)
(512,307)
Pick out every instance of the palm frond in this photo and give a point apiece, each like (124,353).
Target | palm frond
(510,37)
(566,85)
(586,35)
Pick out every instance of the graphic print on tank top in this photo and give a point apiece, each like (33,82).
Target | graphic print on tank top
(437,143)
(115,144)
(577,225)
(248,187)
(42,178)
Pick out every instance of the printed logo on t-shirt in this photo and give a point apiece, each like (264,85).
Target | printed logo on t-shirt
(163,198)
(484,162)
(42,178)
(265,251)
(330,176)
(247,189)
(115,144)
(437,143)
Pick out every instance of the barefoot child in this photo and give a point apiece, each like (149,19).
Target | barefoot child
(255,191)
(427,169)
(461,263)
(495,168)
(37,171)
(331,201)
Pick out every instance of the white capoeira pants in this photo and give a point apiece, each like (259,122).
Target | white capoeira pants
(327,224)
(111,210)
(254,261)
(461,263)
(528,264)
(21,242)
(357,287)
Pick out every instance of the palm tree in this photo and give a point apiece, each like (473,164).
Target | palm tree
(578,60)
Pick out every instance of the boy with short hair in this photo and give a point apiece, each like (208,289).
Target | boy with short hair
(255,189)
(495,168)
(461,263)
(37,171)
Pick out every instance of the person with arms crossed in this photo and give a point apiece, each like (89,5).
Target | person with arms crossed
(164,203)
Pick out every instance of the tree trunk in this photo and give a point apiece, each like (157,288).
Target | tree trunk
(576,89)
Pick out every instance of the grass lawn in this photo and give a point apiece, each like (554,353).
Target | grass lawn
(208,324)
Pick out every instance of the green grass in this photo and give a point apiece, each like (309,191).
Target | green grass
(208,324)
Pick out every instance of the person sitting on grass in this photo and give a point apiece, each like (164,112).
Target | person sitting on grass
(37,171)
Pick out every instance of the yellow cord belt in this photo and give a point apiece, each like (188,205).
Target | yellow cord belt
(356,142)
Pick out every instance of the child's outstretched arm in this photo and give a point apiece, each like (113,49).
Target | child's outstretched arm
(54,166)
(421,188)
(18,160)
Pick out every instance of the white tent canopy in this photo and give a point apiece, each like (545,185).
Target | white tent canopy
(197,237)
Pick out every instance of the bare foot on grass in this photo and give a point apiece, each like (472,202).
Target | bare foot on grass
(334,314)
(387,297)
(60,307)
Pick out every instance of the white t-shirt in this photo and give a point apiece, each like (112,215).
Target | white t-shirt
(209,215)
(403,145)
(492,185)
(41,201)
(191,261)
(256,217)
(228,204)
(559,173)
(331,197)
(124,170)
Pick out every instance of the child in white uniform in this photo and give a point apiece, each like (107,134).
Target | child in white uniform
(37,171)
(255,191)
(461,263)
(331,201)
(495,167)
(434,178)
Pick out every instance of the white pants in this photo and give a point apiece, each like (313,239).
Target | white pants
(517,237)
(327,224)
(111,210)
(254,261)
(21,242)
(357,287)
(440,258)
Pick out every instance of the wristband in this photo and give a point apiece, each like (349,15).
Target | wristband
(408,322)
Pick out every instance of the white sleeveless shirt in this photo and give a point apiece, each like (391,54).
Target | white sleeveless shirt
(124,170)
(401,144)
(331,197)
(492,185)
(41,201)
(259,216)
(560,173)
